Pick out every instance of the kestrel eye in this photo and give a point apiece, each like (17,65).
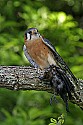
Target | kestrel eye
(35,33)
(29,32)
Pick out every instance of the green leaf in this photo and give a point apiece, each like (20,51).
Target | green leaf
(53,120)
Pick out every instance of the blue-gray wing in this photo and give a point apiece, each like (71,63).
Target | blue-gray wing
(32,62)
(48,43)
(58,58)
(56,55)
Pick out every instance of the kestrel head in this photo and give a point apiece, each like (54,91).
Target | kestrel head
(31,34)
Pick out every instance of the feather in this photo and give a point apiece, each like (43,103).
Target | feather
(29,58)
(60,61)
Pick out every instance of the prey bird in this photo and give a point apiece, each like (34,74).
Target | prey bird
(41,54)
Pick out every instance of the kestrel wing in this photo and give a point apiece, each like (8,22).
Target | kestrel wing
(59,59)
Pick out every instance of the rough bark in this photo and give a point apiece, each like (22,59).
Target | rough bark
(27,78)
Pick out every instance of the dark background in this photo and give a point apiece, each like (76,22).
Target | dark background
(60,21)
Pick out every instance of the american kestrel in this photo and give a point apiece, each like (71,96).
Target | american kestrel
(40,52)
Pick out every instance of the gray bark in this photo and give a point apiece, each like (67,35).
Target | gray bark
(27,78)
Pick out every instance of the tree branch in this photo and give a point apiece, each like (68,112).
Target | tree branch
(27,78)
(21,78)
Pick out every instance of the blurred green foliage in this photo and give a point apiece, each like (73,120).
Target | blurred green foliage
(60,21)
